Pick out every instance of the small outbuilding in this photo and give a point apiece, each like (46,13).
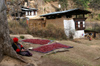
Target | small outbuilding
(72,21)
(29,12)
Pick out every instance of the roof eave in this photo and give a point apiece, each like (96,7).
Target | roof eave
(66,12)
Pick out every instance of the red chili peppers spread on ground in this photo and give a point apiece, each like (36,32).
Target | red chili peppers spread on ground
(37,41)
(50,47)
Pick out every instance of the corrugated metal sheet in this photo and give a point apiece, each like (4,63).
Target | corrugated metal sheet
(66,11)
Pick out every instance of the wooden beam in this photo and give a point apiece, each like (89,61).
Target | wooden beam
(83,16)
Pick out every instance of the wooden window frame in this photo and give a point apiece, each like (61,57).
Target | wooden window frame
(79,26)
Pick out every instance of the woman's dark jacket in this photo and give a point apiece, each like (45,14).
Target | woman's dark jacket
(16,47)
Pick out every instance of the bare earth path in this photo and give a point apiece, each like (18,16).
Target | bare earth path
(84,53)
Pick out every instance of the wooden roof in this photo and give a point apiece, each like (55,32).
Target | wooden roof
(28,9)
(76,11)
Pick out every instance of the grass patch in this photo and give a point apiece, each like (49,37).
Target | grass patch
(89,29)
(51,38)
(22,37)
(18,27)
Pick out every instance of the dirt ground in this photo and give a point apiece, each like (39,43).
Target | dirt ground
(84,53)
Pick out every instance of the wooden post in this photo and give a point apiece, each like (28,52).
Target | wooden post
(76,16)
(83,16)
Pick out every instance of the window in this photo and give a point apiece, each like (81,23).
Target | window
(78,24)
(34,13)
(29,13)
(83,24)
(26,13)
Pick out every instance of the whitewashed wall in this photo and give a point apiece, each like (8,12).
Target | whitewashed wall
(79,34)
(30,16)
(69,27)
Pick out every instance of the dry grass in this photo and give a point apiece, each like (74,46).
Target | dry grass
(83,54)
(50,32)
(93,26)
(17,27)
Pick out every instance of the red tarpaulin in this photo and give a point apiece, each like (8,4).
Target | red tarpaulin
(50,47)
(37,41)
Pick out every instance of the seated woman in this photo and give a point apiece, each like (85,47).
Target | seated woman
(19,48)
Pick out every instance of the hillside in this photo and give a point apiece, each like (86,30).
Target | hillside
(47,6)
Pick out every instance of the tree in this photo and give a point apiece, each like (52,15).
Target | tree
(63,4)
(95,4)
(5,40)
(81,3)
(14,6)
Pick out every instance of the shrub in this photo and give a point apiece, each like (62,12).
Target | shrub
(98,17)
(50,32)
(22,37)
(16,27)
(89,29)
(96,27)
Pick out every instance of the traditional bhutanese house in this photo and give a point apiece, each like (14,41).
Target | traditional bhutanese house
(32,19)
(29,12)
(72,21)
(25,13)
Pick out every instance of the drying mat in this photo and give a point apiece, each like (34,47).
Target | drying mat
(55,51)
(50,47)
(37,41)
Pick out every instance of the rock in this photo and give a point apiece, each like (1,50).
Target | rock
(30,64)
